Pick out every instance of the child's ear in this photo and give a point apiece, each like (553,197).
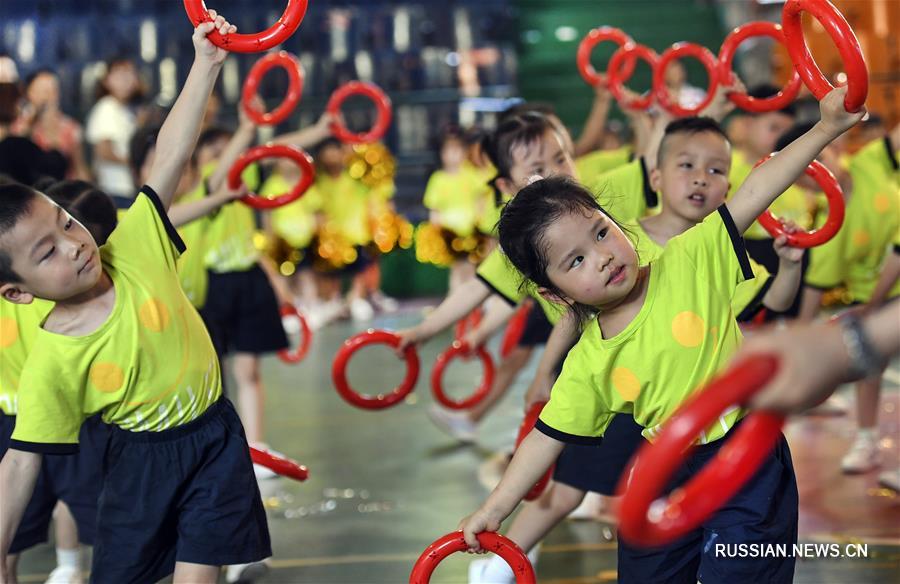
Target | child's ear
(553,297)
(656,179)
(15,294)
(506,186)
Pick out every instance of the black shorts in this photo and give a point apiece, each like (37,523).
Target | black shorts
(187,494)
(598,467)
(537,328)
(242,314)
(74,479)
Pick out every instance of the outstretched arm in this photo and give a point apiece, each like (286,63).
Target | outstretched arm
(18,473)
(178,135)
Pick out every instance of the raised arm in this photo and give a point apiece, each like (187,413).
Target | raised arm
(309,136)
(184,213)
(178,135)
(595,125)
(769,180)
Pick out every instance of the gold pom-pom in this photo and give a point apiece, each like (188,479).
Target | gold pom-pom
(372,164)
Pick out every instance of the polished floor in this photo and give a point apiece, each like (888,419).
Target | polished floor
(384,484)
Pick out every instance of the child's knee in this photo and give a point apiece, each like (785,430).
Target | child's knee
(565,499)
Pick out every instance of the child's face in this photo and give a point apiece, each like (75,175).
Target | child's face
(590,259)
(122,81)
(211,151)
(44,90)
(55,255)
(545,157)
(693,177)
(452,154)
(332,159)
(764,130)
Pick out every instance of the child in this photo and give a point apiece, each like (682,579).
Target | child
(67,487)
(854,258)
(661,331)
(122,340)
(687,144)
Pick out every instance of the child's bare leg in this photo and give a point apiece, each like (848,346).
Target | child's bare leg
(505,376)
(187,573)
(251,394)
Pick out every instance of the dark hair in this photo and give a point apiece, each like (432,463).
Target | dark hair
(15,201)
(767,90)
(137,95)
(514,130)
(10,94)
(92,207)
(329,142)
(792,134)
(691,125)
(525,219)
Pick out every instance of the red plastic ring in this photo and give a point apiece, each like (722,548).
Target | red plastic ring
(380,401)
(301,158)
(841,34)
(279,465)
(467,323)
(531,418)
(583,58)
(677,51)
(454,542)
(616,75)
(382,104)
(513,333)
(294,70)
(454,351)
(726,57)
(276,34)
(805,239)
(647,521)
(297,355)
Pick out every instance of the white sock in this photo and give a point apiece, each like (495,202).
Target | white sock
(867,434)
(498,570)
(68,558)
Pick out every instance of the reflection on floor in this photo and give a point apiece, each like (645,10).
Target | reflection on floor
(384,484)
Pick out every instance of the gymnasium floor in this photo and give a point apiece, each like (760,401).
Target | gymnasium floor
(384,484)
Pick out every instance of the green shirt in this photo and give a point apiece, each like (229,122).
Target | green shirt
(346,203)
(150,367)
(594,164)
(229,235)
(192,263)
(684,333)
(19,325)
(296,221)
(855,255)
(456,197)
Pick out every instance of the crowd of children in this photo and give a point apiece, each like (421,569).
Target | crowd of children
(642,262)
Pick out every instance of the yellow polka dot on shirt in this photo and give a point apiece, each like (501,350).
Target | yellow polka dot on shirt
(107,377)
(9,332)
(861,238)
(688,329)
(882,203)
(626,383)
(154,315)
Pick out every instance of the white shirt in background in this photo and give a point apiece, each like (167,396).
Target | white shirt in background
(110,120)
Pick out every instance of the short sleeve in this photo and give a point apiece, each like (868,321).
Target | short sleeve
(714,250)
(101,124)
(576,412)
(49,417)
(625,193)
(827,265)
(145,235)
(501,277)
(749,295)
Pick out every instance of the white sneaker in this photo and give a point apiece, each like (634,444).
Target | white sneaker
(488,571)
(890,479)
(457,424)
(361,310)
(246,572)
(862,457)
(291,326)
(385,303)
(65,575)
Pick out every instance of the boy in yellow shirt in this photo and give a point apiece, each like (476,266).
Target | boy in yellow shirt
(123,341)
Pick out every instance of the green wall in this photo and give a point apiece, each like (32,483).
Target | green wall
(547,70)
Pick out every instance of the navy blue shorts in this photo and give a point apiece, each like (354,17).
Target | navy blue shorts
(763,512)
(537,329)
(73,479)
(241,313)
(187,494)
(597,467)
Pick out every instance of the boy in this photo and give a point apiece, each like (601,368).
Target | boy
(124,341)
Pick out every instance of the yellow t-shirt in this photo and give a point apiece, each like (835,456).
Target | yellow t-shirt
(855,255)
(346,203)
(594,164)
(192,263)
(19,325)
(792,204)
(456,198)
(625,192)
(150,367)
(229,235)
(294,222)
(748,295)
(684,333)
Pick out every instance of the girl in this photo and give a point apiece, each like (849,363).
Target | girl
(661,330)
